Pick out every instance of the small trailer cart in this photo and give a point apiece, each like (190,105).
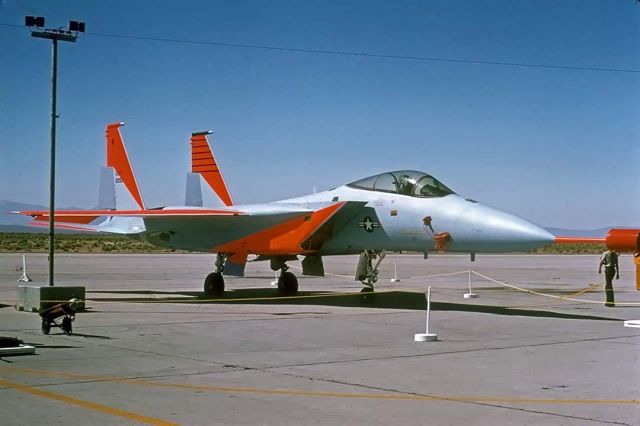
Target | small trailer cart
(66,311)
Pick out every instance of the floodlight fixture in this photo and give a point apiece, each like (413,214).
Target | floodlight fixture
(34,21)
(76,26)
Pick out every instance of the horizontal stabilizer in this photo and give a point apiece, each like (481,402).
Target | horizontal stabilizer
(66,226)
(85,215)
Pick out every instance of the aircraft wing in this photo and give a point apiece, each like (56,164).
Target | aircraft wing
(270,229)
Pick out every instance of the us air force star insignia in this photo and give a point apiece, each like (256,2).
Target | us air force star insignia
(368,224)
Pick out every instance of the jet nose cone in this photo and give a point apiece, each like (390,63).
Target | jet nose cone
(492,230)
(520,231)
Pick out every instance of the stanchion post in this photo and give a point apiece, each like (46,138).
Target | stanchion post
(470,295)
(24,277)
(426,337)
(395,278)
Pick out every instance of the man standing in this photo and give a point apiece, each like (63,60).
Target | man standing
(609,260)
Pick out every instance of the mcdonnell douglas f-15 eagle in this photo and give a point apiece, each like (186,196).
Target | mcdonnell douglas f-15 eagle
(402,210)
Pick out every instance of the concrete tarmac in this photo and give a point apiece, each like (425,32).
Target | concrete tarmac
(151,351)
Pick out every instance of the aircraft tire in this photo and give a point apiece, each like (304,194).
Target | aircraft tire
(46,326)
(287,284)
(367,295)
(67,328)
(214,284)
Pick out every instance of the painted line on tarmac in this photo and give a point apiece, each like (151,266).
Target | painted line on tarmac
(85,404)
(321,394)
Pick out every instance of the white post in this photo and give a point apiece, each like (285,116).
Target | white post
(428,307)
(24,277)
(426,337)
(470,295)
(395,278)
(275,281)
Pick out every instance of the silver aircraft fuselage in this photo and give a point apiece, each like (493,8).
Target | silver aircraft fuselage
(473,227)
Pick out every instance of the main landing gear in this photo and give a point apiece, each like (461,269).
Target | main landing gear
(214,282)
(287,282)
(367,272)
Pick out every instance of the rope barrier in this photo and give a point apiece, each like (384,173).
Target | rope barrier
(537,293)
(196,300)
(437,275)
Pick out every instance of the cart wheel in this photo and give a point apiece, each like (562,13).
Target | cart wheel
(66,325)
(46,326)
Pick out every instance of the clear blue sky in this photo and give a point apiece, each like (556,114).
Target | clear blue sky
(559,147)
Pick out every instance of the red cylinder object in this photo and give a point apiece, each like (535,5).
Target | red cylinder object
(623,240)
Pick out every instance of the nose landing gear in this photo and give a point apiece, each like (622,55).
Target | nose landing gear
(367,272)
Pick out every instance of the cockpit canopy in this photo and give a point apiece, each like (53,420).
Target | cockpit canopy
(404,182)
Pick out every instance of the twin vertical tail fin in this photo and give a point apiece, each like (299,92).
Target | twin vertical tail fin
(118,161)
(193,195)
(204,163)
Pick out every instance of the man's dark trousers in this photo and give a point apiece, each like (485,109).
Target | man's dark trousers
(609,274)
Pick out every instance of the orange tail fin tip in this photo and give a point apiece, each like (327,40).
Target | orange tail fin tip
(204,163)
(118,159)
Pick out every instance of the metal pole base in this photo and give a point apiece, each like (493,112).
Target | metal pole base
(425,337)
(632,323)
(24,277)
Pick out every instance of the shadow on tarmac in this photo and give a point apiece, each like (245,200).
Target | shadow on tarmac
(43,346)
(91,336)
(403,300)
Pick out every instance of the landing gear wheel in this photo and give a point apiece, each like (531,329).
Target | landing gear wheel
(367,294)
(214,284)
(287,284)
(66,326)
(46,326)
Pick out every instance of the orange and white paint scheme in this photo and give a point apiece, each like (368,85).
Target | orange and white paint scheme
(371,216)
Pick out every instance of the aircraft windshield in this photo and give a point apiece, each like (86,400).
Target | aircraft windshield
(404,182)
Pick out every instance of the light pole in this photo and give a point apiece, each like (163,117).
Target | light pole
(38,30)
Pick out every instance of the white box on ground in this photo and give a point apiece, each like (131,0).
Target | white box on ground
(632,323)
(18,350)
(34,298)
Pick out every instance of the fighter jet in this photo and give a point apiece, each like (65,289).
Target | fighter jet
(401,210)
